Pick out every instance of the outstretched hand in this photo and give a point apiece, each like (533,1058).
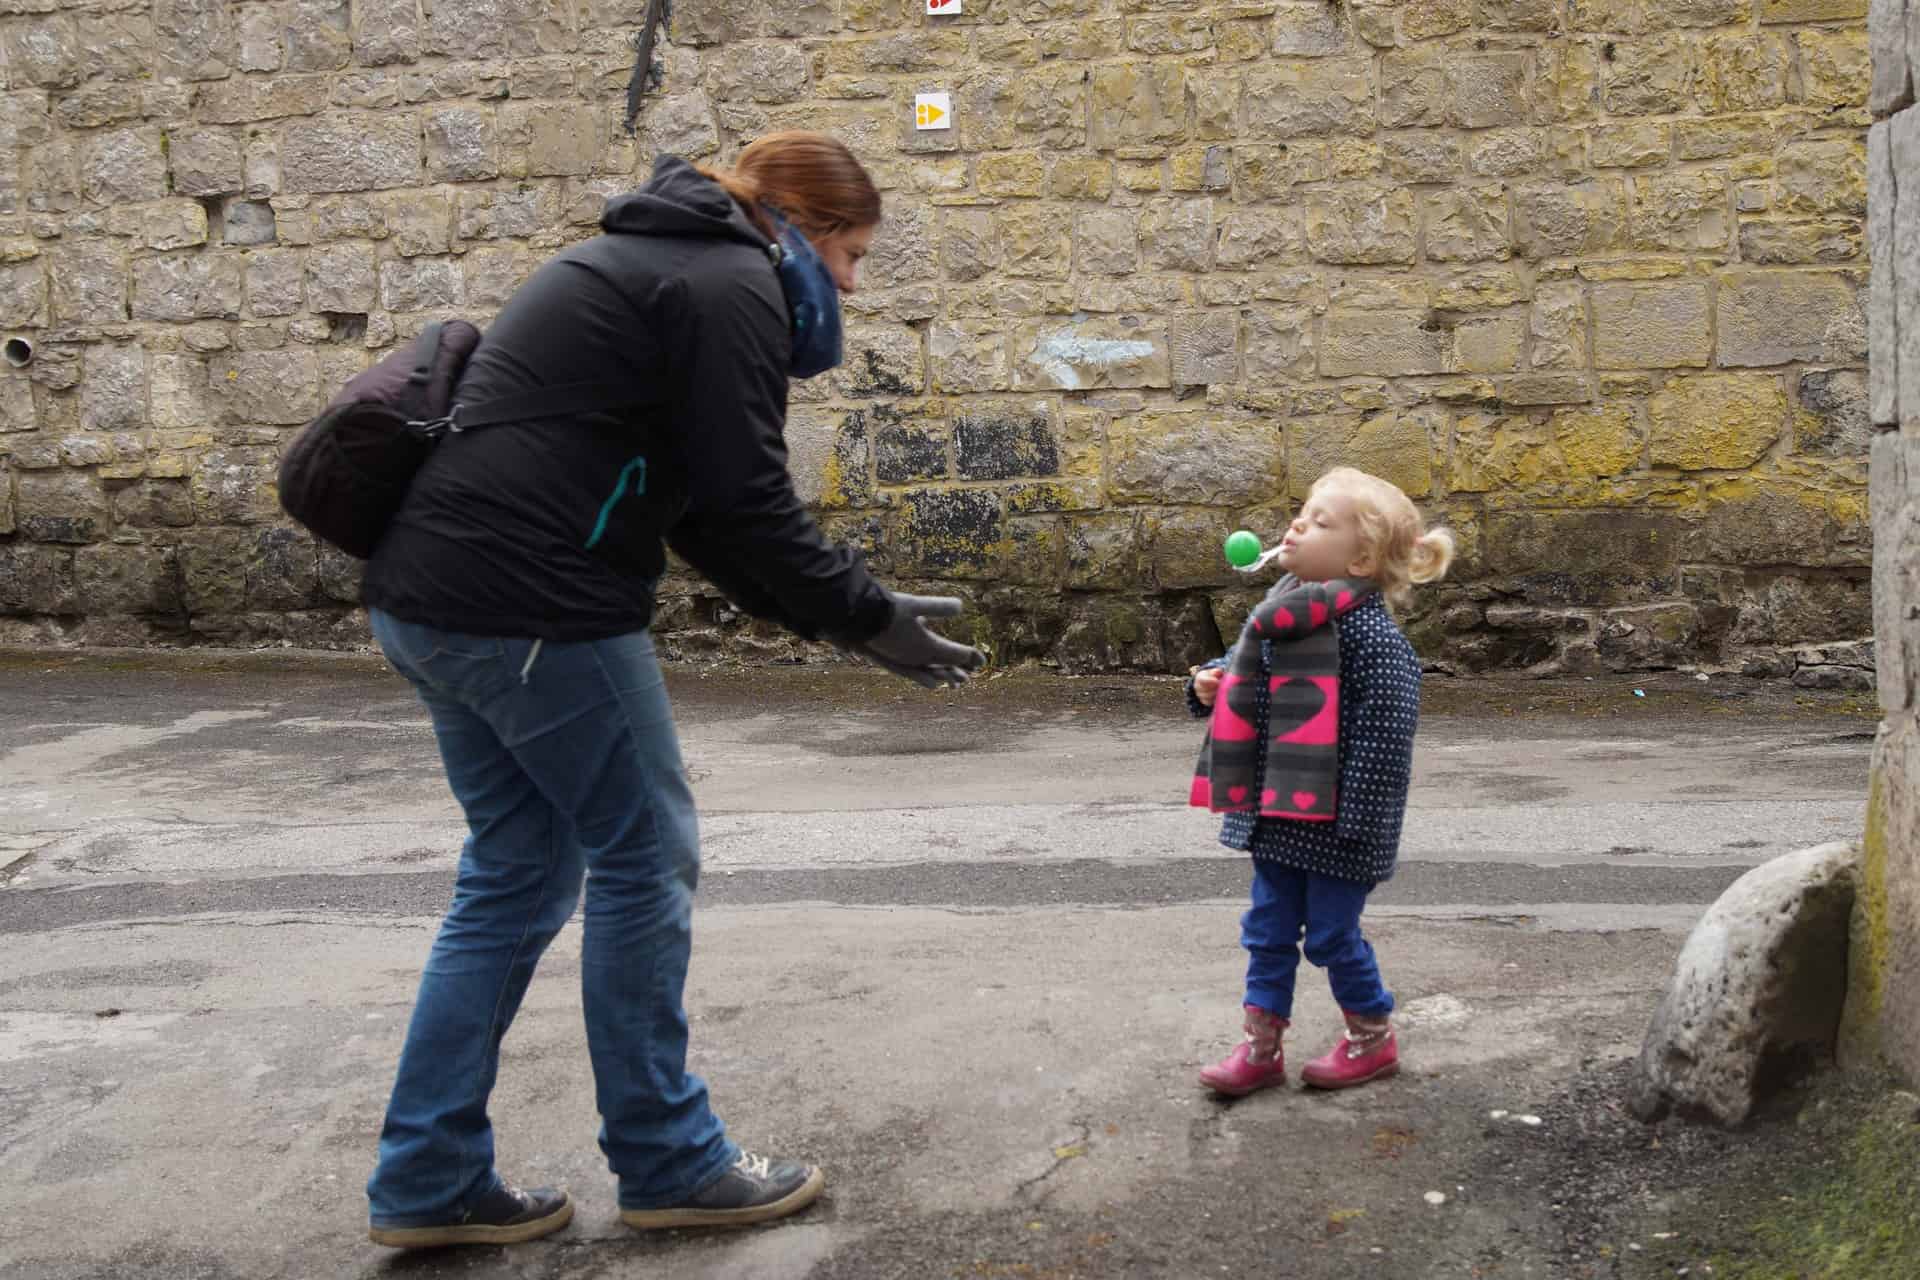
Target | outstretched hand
(909,648)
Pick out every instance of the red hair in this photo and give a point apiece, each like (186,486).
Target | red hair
(812,179)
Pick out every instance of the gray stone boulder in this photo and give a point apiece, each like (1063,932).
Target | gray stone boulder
(1757,993)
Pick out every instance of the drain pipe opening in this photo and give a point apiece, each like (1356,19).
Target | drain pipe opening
(19,352)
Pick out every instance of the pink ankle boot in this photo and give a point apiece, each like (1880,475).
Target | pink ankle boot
(1256,1062)
(1368,1052)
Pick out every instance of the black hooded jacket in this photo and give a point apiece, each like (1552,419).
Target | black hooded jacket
(553,528)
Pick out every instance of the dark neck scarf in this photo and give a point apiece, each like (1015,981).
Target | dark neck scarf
(1303,717)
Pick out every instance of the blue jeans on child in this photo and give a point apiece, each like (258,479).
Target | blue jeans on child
(565,759)
(1288,903)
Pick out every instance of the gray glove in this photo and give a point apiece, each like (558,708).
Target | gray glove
(912,650)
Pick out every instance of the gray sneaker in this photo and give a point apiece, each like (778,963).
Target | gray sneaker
(504,1215)
(755,1189)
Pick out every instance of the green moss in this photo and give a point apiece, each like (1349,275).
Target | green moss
(1854,1216)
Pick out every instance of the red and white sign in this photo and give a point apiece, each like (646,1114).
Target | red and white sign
(944,8)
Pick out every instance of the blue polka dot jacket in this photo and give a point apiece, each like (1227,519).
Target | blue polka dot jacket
(1379,710)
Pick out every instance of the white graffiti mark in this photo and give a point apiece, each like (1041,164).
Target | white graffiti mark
(1061,355)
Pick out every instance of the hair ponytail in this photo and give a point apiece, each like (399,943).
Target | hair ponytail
(1432,556)
(813,180)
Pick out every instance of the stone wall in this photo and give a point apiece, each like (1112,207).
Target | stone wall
(1887,921)
(1584,276)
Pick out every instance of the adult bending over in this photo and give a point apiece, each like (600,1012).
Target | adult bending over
(514,590)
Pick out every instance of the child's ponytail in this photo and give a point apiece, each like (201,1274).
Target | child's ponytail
(1432,556)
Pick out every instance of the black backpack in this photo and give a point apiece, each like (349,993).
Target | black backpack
(347,472)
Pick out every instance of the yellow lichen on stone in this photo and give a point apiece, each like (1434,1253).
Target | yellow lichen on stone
(1716,421)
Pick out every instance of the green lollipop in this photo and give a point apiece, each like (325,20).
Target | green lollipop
(1243,548)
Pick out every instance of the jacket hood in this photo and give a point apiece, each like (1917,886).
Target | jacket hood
(680,201)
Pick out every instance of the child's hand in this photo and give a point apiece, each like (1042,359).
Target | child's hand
(1206,685)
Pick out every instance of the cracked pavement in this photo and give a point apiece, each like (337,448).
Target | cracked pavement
(966,950)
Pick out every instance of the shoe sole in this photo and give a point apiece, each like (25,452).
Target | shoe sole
(665,1219)
(468,1233)
(1225,1092)
(1391,1069)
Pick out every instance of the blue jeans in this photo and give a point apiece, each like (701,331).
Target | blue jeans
(565,759)
(1288,903)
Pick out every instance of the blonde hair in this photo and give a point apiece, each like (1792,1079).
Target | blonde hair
(812,179)
(1404,551)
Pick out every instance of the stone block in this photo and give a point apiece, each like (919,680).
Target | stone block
(1138,104)
(267,388)
(969,244)
(1565,220)
(1649,78)
(1414,89)
(1396,446)
(882,360)
(1757,992)
(1811,10)
(421,284)
(1822,177)
(1774,317)
(770,71)
(418,223)
(1037,240)
(1102,553)
(1721,422)
(60,505)
(1834,69)
(124,166)
(1177,235)
(188,286)
(1201,169)
(1742,73)
(350,153)
(1279,344)
(1683,212)
(1251,239)
(1310,99)
(1601,441)
(969,356)
(173,224)
(251,99)
(1768,243)
(1205,348)
(1012,173)
(1195,458)
(1652,326)
(1493,452)
(1558,323)
(194,39)
(36,579)
(1106,242)
(679,124)
(831,454)
(341,278)
(178,394)
(910,452)
(1361,227)
(949,532)
(1100,352)
(23,294)
(1081,178)
(557,139)
(1467,224)
(461,145)
(124,580)
(1383,344)
(1883,361)
(1567,80)
(1892,84)
(1833,419)
(1904,150)
(204,162)
(1182,550)
(1486,90)
(491,275)
(235,485)
(1005,441)
(113,391)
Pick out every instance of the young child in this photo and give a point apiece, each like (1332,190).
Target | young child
(1309,753)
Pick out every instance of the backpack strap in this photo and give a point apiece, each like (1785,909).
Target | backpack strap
(563,400)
